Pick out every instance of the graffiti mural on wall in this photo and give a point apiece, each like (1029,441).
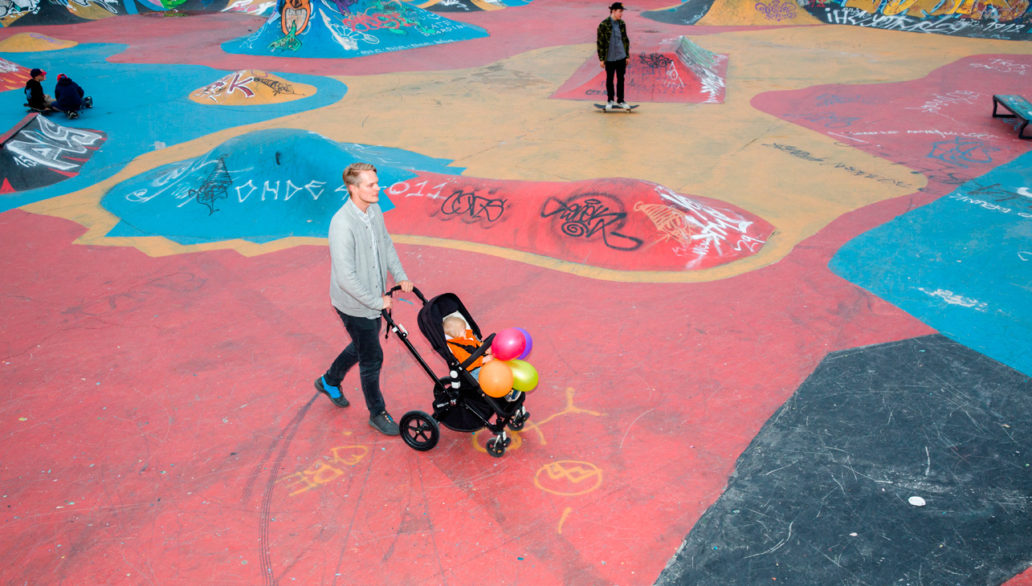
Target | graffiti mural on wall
(349,28)
(992,19)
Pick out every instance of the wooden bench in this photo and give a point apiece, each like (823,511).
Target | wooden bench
(1019,108)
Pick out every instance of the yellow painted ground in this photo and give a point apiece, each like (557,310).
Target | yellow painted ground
(251,87)
(498,122)
(32,43)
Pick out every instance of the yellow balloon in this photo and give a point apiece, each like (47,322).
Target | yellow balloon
(524,376)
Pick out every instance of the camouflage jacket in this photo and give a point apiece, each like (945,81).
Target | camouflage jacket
(605,31)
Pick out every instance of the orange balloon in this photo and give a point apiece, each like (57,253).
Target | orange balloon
(496,379)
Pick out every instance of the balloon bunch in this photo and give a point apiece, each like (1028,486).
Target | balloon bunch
(508,371)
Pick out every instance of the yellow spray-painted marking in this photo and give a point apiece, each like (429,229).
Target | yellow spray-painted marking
(568,477)
(325,470)
(562,519)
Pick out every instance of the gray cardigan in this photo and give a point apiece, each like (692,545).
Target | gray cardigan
(357,280)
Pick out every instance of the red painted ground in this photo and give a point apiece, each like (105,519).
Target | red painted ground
(188,442)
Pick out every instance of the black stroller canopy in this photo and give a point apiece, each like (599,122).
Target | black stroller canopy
(432,315)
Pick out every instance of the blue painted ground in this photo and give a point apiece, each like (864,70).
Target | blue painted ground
(133,105)
(260,186)
(961,264)
(349,28)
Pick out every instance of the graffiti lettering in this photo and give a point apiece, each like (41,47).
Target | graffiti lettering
(471,205)
(960,151)
(992,207)
(271,190)
(1000,193)
(326,470)
(277,87)
(940,101)
(214,187)
(777,10)
(948,24)
(53,146)
(1004,66)
(368,22)
(954,299)
(403,187)
(830,120)
(700,230)
(806,156)
(587,215)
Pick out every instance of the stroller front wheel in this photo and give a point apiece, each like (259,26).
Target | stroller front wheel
(419,430)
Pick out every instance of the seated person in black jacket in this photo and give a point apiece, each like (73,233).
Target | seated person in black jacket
(34,95)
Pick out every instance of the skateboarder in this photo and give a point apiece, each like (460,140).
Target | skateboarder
(613,49)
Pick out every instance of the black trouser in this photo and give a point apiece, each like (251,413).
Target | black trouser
(365,351)
(619,68)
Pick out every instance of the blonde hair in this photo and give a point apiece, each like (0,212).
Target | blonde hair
(454,319)
(354,171)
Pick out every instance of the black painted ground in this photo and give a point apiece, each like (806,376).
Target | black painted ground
(823,494)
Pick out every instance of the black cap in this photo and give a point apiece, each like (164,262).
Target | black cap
(616,6)
(37,71)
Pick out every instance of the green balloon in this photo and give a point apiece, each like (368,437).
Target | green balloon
(524,376)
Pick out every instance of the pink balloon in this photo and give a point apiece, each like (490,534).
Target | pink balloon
(526,347)
(508,344)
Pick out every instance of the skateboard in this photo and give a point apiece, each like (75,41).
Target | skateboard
(628,109)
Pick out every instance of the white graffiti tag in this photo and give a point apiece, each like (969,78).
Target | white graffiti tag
(49,144)
(708,229)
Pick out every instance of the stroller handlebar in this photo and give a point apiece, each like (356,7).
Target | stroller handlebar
(415,290)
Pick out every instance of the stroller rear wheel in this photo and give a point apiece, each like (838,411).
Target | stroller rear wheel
(419,430)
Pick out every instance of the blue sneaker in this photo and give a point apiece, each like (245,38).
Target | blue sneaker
(332,392)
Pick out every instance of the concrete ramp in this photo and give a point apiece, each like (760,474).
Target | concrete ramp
(38,152)
(764,12)
(993,19)
(251,87)
(33,43)
(12,75)
(259,187)
(676,71)
(318,29)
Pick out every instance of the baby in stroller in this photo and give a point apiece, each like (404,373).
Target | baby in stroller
(463,343)
(459,403)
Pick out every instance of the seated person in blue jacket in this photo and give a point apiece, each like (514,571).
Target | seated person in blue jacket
(70,97)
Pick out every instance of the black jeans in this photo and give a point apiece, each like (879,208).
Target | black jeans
(618,68)
(365,351)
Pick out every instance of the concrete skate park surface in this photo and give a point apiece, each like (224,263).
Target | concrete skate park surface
(780,315)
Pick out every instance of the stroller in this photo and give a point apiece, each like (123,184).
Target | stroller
(459,403)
